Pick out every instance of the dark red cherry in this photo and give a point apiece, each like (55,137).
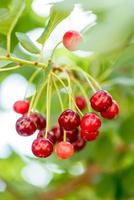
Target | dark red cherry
(39,120)
(71,40)
(51,136)
(21,106)
(25,126)
(90,122)
(58,132)
(80,102)
(111,112)
(79,144)
(101,100)
(42,147)
(72,135)
(89,136)
(64,150)
(69,120)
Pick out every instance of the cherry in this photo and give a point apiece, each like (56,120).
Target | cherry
(21,106)
(101,100)
(89,136)
(79,144)
(90,122)
(42,147)
(51,136)
(69,120)
(25,126)
(72,135)
(58,132)
(64,150)
(111,112)
(39,120)
(71,40)
(80,102)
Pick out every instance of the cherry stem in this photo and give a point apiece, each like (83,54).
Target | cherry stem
(49,87)
(8,43)
(64,136)
(9,68)
(59,95)
(55,49)
(31,80)
(83,92)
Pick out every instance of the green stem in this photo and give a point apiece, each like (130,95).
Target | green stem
(55,49)
(31,80)
(9,68)
(64,136)
(83,92)
(8,43)
(59,95)
(23,62)
(70,91)
(49,87)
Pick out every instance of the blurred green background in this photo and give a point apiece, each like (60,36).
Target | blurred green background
(104,170)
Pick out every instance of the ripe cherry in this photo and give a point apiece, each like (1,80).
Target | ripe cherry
(71,40)
(69,120)
(39,120)
(79,144)
(111,112)
(21,106)
(89,136)
(51,136)
(90,122)
(80,102)
(58,132)
(25,126)
(42,147)
(64,150)
(72,135)
(101,100)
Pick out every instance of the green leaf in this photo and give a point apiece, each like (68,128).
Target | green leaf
(27,43)
(10,14)
(56,16)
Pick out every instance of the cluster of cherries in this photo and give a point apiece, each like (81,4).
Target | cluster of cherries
(71,133)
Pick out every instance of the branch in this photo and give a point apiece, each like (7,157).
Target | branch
(72,185)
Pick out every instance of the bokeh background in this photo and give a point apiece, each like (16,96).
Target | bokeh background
(104,170)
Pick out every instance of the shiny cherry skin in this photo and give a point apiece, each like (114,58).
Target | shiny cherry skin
(72,135)
(69,120)
(39,120)
(51,136)
(71,40)
(111,112)
(101,100)
(21,106)
(58,132)
(64,150)
(89,136)
(80,102)
(90,122)
(79,144)
(25,126)
(42,147)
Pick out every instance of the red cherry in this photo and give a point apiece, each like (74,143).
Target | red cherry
(42,147)
(69,120)
(21,106)
(58,132)
(101,100)
(111,112)
(50,136)
(71,40)
(80,102)
(72,135)
(25,126)
(90,122)
(39,120)
(64,150)
(79,144)
(89,136)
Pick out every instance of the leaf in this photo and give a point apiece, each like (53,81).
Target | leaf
(10,14)
(27,43)
(56,16)
(4,62)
